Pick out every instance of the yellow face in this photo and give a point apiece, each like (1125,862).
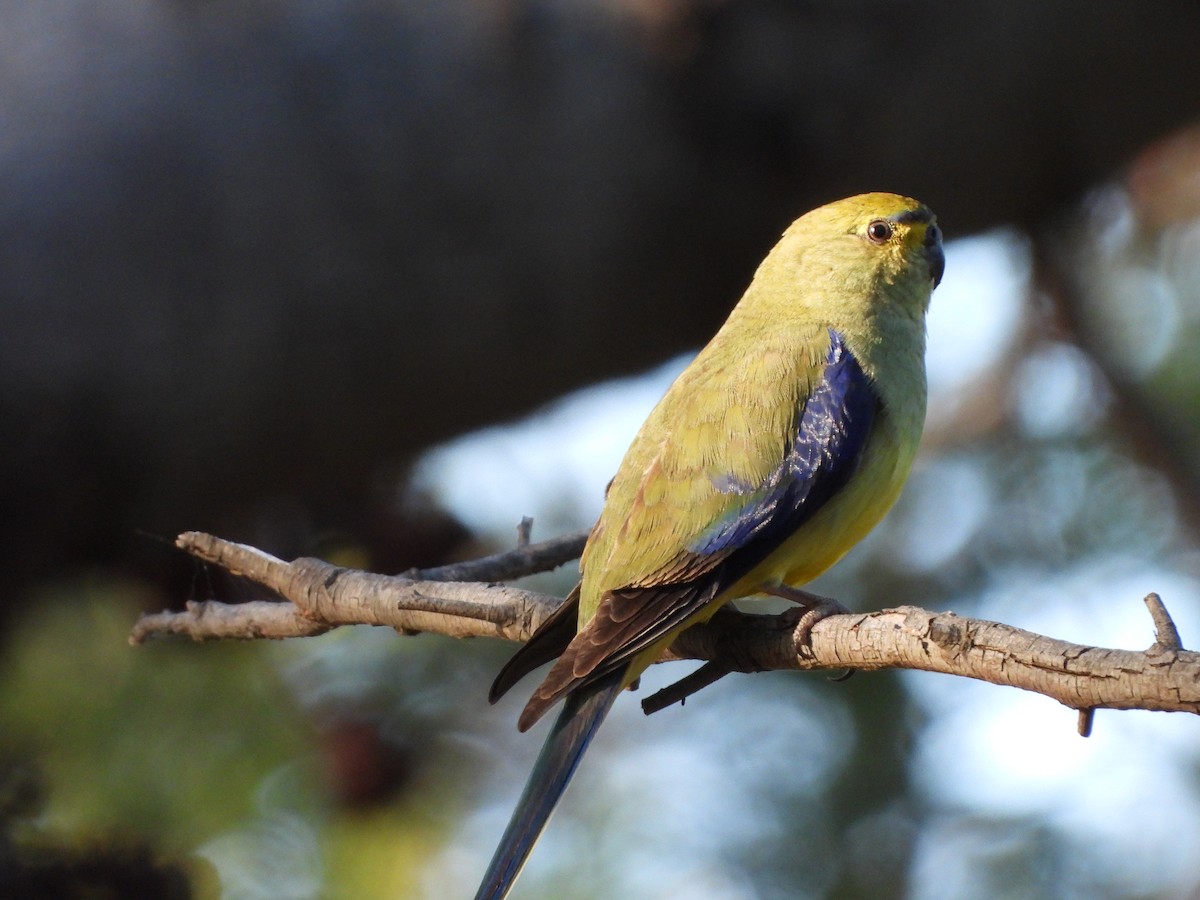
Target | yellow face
(853,258)
(905,230)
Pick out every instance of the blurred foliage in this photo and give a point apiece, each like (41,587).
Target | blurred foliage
(204,748)
(103,719)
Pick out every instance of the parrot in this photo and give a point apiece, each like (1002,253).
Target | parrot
(784,441)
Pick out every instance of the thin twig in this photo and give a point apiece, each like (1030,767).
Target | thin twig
(678,692)
(1084,724)
(524,531)
(209,620)
(526,559)
(1166,635)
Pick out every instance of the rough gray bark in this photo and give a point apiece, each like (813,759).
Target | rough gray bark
(319,596)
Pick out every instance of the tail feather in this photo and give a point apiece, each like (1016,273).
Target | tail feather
(556,763)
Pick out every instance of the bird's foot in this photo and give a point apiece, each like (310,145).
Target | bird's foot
(815,609)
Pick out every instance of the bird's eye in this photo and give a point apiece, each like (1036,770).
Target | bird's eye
(879,231)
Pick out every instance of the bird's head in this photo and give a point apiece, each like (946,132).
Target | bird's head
(897,236)
(905,231)
(867,249)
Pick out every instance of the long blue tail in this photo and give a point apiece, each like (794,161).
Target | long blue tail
(560,755)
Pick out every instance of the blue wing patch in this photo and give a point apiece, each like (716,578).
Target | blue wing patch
(831,433)
(824,452)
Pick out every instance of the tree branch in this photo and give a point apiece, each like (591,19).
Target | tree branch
(526,559)
(319,596)
(323,596)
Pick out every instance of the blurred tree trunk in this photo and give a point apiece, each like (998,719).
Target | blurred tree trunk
(254,257)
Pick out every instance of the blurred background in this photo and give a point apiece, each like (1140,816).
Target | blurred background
(372,279)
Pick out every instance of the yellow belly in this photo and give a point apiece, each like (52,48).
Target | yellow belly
(843,522)
(821,541)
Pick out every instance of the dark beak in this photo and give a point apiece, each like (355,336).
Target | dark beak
(933,253)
